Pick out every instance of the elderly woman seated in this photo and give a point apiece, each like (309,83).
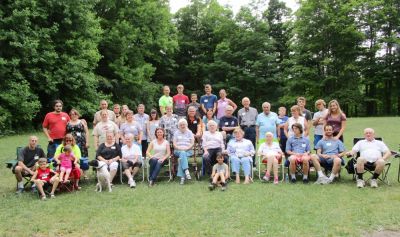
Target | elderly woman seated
(131,158)
(213,143)
(240,151)
(110,153)
(271,154)
(183,144)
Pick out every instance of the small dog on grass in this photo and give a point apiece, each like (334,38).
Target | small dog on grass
(103,175)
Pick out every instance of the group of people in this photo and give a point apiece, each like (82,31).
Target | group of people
(124,138)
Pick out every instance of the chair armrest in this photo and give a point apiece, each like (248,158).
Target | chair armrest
(11,163)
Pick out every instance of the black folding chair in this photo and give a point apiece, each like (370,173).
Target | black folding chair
(370,169)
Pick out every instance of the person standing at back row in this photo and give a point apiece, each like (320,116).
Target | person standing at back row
(165,100)
(97,116)
(208,101)
(181,102)
(301,102)
(55,127)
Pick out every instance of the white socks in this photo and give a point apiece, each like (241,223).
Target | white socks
(21,184)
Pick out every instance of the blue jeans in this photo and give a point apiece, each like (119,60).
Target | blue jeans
(155,168)
(244,161)
(52,147)
(182,161)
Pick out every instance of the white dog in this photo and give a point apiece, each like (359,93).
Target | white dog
(103,175)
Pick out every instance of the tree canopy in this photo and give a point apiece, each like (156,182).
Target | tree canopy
(124,51)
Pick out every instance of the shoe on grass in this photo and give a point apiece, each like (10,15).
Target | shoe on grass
(211,187)
(373,183)
(360,183)
(305,181)
(293,180)
(132,184)
(182,181)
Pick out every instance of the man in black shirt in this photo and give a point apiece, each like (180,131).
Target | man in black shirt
(27,158)
(228,123)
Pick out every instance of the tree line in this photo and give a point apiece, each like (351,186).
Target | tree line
(124,51)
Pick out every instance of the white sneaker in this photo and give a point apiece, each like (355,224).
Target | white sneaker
(188,177)
(182,181)
(324,180)
(373,183)
(132,184)
(266,178)
(360,183)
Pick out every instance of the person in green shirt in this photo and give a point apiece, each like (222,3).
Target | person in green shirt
(165,100)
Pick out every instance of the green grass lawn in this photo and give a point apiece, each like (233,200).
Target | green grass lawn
(169,209)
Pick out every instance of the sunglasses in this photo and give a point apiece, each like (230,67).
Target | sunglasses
(68,140)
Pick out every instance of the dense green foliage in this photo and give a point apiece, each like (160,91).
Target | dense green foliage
(82,51)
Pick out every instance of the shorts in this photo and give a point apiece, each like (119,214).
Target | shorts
(129,164)
(64,169)
(278,157)
(369,165)
(299,158)
(328,163)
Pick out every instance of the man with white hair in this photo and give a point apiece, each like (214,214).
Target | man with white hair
(267,121)
(373,155)
(228,123)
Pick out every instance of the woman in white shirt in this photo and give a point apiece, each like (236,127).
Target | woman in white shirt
(213,143)
(159,150)
(271,154)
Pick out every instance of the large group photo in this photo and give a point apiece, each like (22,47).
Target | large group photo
(200,118)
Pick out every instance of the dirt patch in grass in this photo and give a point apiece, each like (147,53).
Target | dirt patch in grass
(384,233)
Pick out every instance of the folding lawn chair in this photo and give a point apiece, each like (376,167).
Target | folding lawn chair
(370,169)
(11,164)
(121,172)
(168,165)
(260,162)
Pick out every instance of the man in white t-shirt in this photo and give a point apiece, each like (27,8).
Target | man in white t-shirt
(373,154)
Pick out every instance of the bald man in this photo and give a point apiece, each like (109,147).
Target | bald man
(373,154)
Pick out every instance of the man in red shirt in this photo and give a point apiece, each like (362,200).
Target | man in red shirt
(54,127)
(181,102)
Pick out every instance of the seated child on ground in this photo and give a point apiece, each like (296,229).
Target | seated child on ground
(220,173)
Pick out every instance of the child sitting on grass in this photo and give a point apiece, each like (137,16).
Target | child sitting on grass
(45,177)
(220,173)
(65,160)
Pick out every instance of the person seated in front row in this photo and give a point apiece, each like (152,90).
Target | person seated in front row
(130,161)
(240,151)
(228,123)
(27,159)
(329,155)
(213,143)
(271,154)
(158,151)
(298,149)
(373,153)
(220,173)
(110,153)
(44,177)
(183,141)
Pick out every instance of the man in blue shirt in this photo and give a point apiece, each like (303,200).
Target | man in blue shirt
(267,121)
(208,101)
(298,149)
(329,155)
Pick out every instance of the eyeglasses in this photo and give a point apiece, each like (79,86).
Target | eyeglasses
(68,140)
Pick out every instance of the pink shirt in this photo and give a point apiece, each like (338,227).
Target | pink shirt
(221,106)
(66,160)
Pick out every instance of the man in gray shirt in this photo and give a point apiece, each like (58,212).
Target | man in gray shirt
(247,121)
